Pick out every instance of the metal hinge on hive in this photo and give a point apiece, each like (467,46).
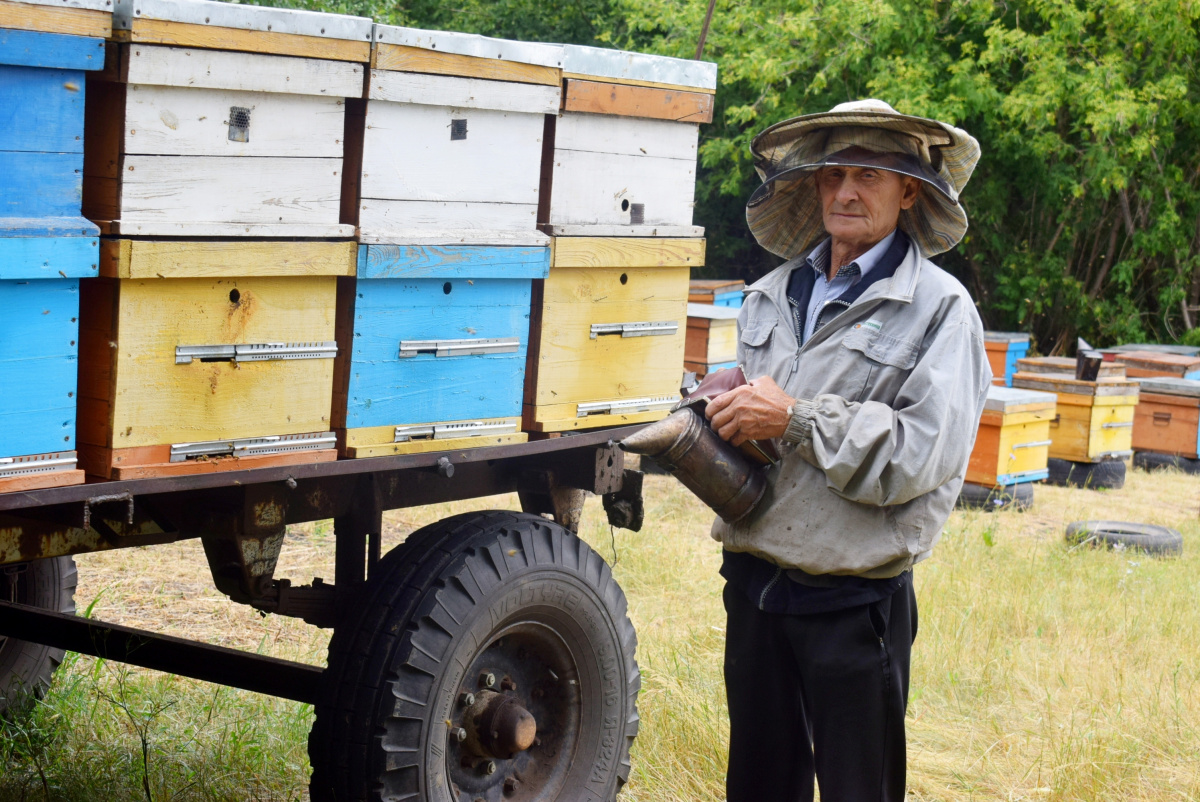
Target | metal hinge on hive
(648,328)
(447,431)
(467,347)
(254,352)
(626,406)
(37,463)
(254,446)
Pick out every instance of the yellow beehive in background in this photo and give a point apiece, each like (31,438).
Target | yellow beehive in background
(1013,443)
(1094,421)
(711,338)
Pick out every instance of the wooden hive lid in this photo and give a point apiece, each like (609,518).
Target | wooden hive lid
(1065,365)
(1171,386)
(710,312)
(1006,399)
(1157,360)
(1061,383)
(243,18)
(1183,350)
(89,5)
(84,18)
(712,286)
(1006,337)
(620,66)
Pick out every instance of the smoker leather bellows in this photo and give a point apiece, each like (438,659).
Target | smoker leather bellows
(714,470)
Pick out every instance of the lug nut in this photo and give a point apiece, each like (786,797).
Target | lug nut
(510,785)
(487,679)
(458,734)
(467,699)
(507,684)
(489,768)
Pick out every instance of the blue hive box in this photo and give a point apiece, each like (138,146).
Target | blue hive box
(440,336)
(45,248)
(1004,348)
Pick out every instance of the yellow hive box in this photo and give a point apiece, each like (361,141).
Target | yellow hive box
(1013,443)
(1094,421)
(191,375)
(607,333)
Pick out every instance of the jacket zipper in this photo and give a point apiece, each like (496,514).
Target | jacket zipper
(762,599)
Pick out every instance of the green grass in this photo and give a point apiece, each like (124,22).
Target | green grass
(1040,672)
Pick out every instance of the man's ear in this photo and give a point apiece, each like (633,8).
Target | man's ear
(912,190)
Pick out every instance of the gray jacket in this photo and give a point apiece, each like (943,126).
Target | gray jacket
(891,391)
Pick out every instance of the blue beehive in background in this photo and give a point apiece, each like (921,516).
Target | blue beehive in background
(46,246)
(1004,348)
(440,337)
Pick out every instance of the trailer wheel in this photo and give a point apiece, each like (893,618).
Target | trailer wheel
(26,668)
(490,658)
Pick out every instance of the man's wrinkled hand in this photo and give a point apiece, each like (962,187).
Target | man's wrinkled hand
(754,411)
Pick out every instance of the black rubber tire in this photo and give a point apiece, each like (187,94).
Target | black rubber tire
(1151,461)
(27,668)
(989,499)
(1157,540)
(433,607)
(1106,475)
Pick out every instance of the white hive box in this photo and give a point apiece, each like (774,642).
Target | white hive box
(452,147)
(217,120)
(624,145)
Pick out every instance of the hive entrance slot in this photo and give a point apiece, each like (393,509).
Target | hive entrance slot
(458,129)
(239,124)
(637,214)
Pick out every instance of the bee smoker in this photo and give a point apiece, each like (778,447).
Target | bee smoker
(718,473)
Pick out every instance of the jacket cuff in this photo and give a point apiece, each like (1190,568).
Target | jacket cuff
(799,428)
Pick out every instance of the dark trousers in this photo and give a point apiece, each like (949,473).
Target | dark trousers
(818,695)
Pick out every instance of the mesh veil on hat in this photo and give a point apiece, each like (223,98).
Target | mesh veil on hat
(784,213)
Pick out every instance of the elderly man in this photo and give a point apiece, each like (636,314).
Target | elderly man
(867,364)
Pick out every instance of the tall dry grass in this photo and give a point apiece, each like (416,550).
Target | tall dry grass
(1040,671)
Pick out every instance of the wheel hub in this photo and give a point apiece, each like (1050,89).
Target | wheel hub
(498,726)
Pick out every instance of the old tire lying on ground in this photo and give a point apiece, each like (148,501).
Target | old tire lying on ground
(489,657)
(1106,475)
(979,497)
(26,668)
(1158,540)
(1150,461)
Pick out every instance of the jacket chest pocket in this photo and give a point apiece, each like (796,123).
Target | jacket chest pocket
(873,364)
(754,346)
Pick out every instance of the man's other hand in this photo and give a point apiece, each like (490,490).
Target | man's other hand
(754,411)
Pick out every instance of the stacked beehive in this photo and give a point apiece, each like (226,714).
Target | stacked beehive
(1012,446)
(1167,418)
(718,292)
(617,195)
(1151,364)
(713,306)
(46,247)
(1004,348)
(214,163)
(439,311)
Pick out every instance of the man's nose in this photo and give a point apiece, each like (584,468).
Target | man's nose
(847,191)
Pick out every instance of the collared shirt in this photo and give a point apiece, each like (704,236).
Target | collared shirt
(824,291)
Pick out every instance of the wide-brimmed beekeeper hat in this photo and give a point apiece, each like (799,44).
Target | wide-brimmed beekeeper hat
(785,212)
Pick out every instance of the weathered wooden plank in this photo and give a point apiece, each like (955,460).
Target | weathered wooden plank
(246,72)
(40,184)
(416,59)
(170,194)
(39,330)
(37,481)
(195,122)
(623,231)
(116,228)
(182,34)
(627,252)
(607,189)
(446,222)
(562,418)
(410,154)
(47,257)
(578,76)
(637,101)
(430,446)
(606,63)
(238,16)
(1068,386)
(49,19)
(50,50)
(628,136)
(463,93)
(97,458)
(233,258)
(470,44)
(156,401)
(387,390)
(473,262)
(41,111)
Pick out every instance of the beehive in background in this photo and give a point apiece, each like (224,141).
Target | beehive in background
(206,356)
(1013,443)
(608,336)
(1093,420)
(46,247)
(1004,348)
(1065,366)
(718,292)
(1149,364)
(452,148)
(711,339)
(1167,419)
(221,120)
(622,152)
